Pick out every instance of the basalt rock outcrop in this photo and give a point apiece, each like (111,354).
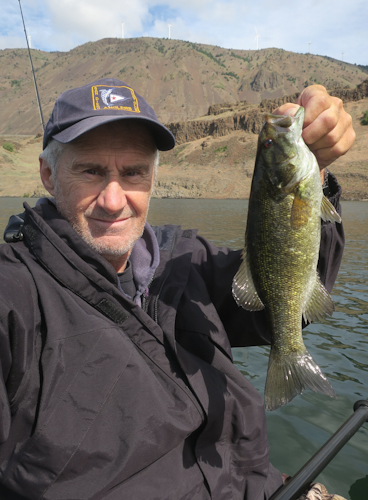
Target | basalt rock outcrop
(225,118)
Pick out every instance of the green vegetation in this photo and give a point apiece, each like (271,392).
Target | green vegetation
(245,59)
(222,149)
(208,54)
(15,83)
(160,47)
(363,68)
(220,86)
(8,146)
(231,73)
(364,120)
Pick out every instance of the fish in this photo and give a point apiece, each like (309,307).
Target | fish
(278,272)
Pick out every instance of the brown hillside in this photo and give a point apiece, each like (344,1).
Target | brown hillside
(214,157)
(222,119)
(180,79)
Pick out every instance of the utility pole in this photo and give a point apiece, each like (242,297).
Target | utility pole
(122,30)
(33,73)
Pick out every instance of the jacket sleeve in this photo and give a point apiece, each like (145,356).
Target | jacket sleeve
(218,266)
(5,365)
(17,327)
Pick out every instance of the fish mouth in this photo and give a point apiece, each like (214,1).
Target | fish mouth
(283,121)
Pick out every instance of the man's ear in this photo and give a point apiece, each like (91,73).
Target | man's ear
(46,176)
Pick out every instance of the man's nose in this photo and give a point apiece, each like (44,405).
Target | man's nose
(112,198)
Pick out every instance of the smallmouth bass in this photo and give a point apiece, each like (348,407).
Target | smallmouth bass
(278,272)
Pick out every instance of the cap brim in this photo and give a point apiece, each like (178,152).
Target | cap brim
(162,136)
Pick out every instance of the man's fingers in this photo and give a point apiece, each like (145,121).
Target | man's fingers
(331,128)
(328,124)
(287,109)
(325,156)
(314,100)
(327,128)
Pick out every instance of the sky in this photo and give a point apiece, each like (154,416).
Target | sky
(335,28)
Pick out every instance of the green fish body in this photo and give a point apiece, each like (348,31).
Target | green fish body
(278,272)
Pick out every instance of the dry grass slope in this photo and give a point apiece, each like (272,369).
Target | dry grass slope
(180,79)
(213,98)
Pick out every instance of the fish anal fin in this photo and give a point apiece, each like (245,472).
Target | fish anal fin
(289,375)
(244,291)
(328,212)
(319,304)
(300,211)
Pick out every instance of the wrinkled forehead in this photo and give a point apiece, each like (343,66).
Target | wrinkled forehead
(126,143)
(118,135)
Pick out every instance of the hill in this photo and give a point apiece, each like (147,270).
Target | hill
(214,156)
(180,79)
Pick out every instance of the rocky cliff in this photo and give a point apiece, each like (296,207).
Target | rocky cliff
(225,118)
(214,156)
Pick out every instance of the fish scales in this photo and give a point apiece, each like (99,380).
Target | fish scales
(278,272)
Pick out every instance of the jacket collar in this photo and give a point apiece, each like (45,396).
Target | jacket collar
(59,236)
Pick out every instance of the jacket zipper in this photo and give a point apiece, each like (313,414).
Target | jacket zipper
(146,294)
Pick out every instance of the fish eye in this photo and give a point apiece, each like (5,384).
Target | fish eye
(268,142)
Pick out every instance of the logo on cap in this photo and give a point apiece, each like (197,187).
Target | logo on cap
(121,98)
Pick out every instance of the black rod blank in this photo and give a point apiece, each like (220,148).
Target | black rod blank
(33,73)
(302,479)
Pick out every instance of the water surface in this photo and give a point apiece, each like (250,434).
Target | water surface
(338,344)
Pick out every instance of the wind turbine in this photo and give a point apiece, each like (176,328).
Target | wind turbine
(309,43)
(342,55)
(169,25)
(257,36)
(122,30)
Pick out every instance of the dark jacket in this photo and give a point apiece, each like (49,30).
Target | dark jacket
(104,399)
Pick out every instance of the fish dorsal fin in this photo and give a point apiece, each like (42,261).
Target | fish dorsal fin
(319,304)
(328,212)
(244,291)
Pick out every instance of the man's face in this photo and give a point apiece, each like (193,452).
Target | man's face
(103,187)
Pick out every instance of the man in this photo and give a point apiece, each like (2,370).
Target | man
(117,376)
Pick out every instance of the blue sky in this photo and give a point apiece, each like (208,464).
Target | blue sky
(335,28)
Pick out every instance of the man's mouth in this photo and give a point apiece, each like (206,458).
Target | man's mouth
(107,223)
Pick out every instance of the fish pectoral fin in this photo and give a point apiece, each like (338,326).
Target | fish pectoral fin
(244,291)
(328,212)
(319,304)
(300,211)
(288,375)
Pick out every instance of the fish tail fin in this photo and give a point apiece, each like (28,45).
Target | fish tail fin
(289,375)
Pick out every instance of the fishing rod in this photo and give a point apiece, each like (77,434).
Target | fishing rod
(33,73)
(302,479)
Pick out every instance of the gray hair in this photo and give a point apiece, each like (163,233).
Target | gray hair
(52,154)
(54,150)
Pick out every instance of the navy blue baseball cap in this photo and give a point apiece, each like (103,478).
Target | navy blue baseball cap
(79,110)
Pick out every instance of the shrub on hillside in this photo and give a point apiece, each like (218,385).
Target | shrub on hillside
(8,146)
(364,120)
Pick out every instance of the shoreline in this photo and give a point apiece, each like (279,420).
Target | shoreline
(364,200)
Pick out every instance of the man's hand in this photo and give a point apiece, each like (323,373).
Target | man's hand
(327,128)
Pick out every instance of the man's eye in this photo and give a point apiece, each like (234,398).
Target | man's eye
(92,171)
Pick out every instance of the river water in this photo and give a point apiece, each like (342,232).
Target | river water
(338,344)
